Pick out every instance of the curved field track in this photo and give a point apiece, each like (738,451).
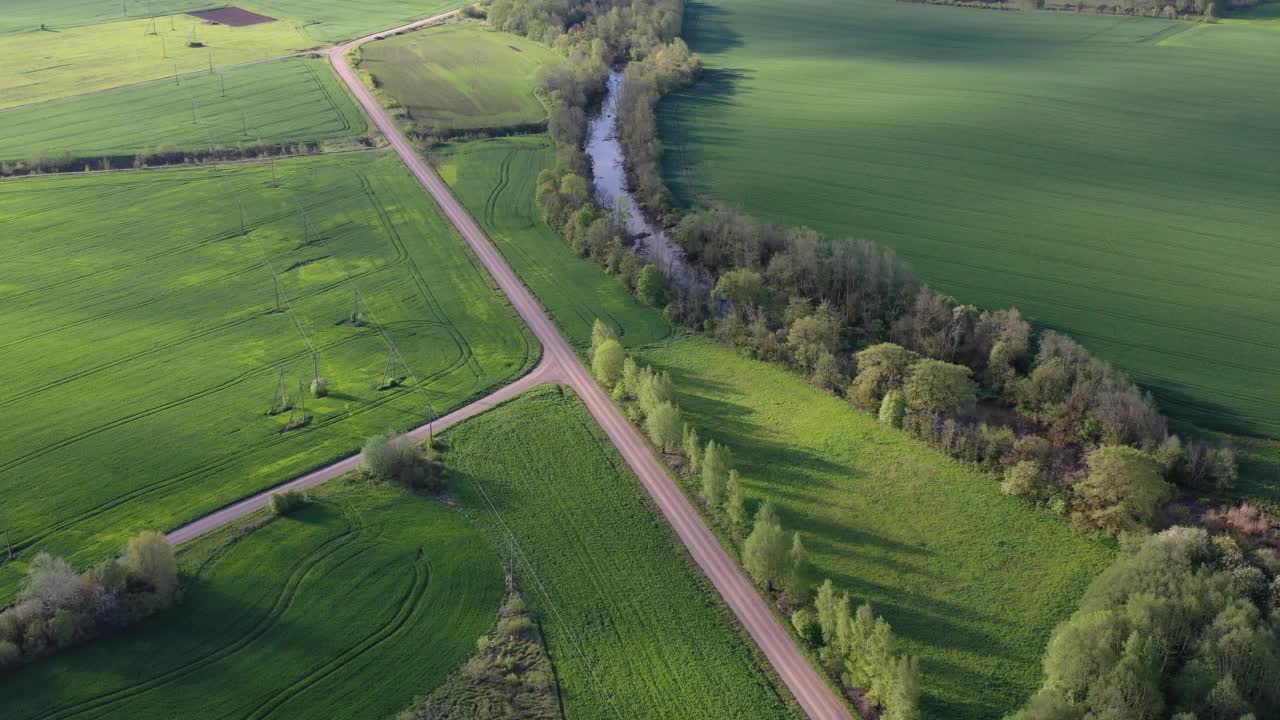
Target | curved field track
(144,347)
(324,614)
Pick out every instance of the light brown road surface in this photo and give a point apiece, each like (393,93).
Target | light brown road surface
(560,364)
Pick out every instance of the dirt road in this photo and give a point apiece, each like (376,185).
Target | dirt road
(560,364)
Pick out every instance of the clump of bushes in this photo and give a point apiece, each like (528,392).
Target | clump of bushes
(859,647)
(288,501)
(397,459)
(59,607)
(1182,625)
(509,678)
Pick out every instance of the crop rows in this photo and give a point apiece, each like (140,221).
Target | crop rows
(1054,162)
(321,616)
(633,627)
(282,102)
(149,355)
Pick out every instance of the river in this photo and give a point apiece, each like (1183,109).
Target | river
(613,191)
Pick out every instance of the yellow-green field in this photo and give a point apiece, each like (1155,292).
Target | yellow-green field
(461,76)
(44,65)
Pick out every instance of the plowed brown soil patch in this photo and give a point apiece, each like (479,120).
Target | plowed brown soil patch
(233,16)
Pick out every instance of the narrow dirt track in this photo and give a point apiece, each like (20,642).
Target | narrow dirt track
(561,365)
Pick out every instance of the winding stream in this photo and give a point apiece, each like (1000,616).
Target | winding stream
(612,191)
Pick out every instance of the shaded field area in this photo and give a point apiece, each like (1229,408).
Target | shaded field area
(46,65)
(496,181)
(324,614)
(289,101)
(460,77)
(147,337)
(971,580)
(631,624)
(1113,177)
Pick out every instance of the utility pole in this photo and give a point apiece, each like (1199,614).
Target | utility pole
(315,366)
(222,81)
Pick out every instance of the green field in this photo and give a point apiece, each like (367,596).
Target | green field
(282,102)
(972,580)
(1114,177)
(634,629)
(461,76)
(325,614)
(323,20)
(45,65)
(141,346)
(496,180)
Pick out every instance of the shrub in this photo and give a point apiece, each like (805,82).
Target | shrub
(806,626)
(319,388)
(284,503)
(1123,490)
(606,363)
(892,409)
(397,459)
(514,626)
(881,368)
(150,558)
(1023,480)
(663,424)
(9,654)
(934,387)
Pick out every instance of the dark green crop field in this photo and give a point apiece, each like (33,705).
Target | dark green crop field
(634,629)
(288,101)
(346,609)
(143,347)
(496,180)
(1114,177)
(973,581)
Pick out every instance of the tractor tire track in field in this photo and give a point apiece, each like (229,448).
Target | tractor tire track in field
(303,567)
(211,467)
(560,363)
(410,607)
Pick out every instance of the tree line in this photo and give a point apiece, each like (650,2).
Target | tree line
(59,607)
(859,648)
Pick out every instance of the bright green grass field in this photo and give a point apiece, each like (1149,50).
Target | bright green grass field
(141,347)
(973,581)
(1113,177)
(329,613)
(461,76)
(323,20)
(496,180)
(288,101)
(45,65)
(633,627)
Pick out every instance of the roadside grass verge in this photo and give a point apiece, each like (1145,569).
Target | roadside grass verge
(633,627)
(461,77)
(144,348)
(971,580)
(1113,177)
(283,102)
(496,181)
(324,614)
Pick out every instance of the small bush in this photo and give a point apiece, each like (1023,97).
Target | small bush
(806,626)
(9,654)
(514,626)
(284,503)
(399,460)
(319,388)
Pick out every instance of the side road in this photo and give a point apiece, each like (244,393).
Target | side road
(561,364)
